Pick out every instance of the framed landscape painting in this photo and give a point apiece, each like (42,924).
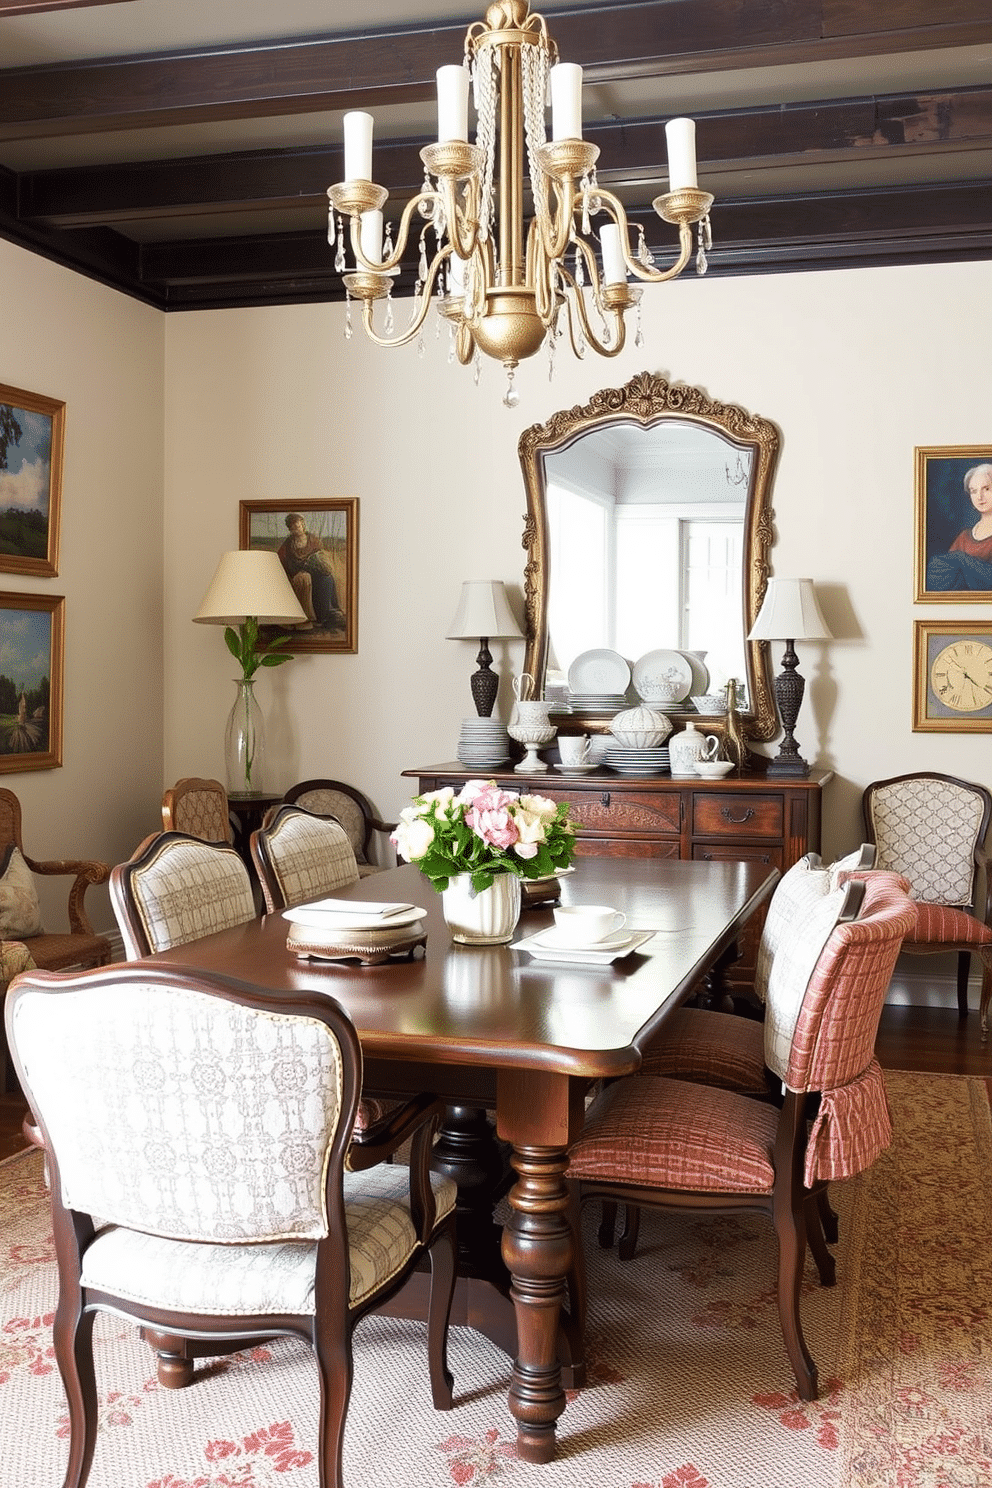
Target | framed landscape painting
(32,636)
(954,524)
(317,544)
(32,430)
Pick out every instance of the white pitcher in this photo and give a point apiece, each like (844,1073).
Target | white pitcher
(686,748)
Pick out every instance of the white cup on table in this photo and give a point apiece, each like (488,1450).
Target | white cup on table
(586,924)
(573,749)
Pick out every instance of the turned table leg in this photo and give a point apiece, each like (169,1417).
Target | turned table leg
(537,1249)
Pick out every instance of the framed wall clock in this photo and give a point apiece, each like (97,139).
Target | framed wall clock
(952,677)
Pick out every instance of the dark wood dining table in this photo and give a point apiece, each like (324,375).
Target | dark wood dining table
(489,1028)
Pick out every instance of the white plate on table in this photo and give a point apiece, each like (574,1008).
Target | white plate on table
(545,947)
(331,920)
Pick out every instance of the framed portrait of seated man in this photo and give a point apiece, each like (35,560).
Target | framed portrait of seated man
(317,544)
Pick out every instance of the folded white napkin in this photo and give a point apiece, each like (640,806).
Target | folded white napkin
(359,907)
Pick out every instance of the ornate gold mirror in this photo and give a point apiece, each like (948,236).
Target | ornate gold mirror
(648,527)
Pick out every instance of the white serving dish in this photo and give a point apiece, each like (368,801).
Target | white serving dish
(544,948)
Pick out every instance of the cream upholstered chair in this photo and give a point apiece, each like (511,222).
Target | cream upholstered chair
(932,828)
(263,1220)
(348,806)
(676,1145)
(177,888)
(20,913)
(300,857)
(199,808)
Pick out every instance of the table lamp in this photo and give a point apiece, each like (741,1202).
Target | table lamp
(483,613)
(249,589)
(789,612)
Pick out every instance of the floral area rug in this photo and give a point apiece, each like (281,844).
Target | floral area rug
(689,1382)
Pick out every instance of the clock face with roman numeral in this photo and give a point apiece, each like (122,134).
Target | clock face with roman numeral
(961,676)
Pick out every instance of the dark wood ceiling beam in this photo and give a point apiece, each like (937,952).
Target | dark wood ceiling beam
(746,232)
(613,41)
(631,152)
(32,7)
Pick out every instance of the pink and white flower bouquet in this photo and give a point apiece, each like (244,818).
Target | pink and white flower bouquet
(484,831)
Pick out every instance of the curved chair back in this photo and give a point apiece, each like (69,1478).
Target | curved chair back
(929,828)
(300,857)
(346,805)
(177,888)
(198,808)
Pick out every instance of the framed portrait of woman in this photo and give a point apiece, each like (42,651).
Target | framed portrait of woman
(317,544)
(954,524)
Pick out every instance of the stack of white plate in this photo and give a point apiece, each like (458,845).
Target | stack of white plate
(637,761)
(597,702)
(484,743)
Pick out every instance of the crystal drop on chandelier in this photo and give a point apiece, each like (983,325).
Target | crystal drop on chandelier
(511,397)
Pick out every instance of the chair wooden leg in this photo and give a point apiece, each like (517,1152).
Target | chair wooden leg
(790,1227)
(335,1370)
(964,967)
(173,1359)
(442,1259)
(578,1297)
(825,1263)
(607,1224)
(631,1229)
(828,1218)
(986,994)
(73,1340)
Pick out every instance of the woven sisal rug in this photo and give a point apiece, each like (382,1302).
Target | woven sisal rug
(689,1383)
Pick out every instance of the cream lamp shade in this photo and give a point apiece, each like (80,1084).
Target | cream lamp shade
(250,583)
(789,612)
(483,612)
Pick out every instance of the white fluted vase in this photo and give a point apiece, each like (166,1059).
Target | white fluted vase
(485,918)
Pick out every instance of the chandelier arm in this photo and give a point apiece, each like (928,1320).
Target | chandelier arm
(634,266)
(426,298)
(578,299)
(464,227)
(561,220)
(434,198)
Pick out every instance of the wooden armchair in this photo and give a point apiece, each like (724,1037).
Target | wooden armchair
(56,951)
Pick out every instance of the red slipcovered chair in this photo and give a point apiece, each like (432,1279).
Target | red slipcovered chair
(931,829)
(672,1144)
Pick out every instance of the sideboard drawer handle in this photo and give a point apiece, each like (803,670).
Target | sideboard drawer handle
(738,821)
(605,800)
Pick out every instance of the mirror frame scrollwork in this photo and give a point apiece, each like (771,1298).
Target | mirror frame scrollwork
(648,400)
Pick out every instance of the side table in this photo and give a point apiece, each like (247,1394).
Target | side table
(247,808)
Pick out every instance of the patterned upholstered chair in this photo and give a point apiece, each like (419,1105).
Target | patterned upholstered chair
(264,1221)
(931,829)
(675,1145)
(55,950)
(198,808)
(349,807)
(300,857)
(14,957)
(177,888)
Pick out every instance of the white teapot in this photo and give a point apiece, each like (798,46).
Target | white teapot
(686,748)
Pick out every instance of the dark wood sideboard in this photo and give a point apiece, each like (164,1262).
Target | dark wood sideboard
(754,817)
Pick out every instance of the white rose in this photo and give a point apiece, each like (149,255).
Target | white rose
(440,799)
(531,829)
(413,838)
(540,806)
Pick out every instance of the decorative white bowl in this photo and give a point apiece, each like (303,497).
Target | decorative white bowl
(640,728)
(713,769)
(711,702)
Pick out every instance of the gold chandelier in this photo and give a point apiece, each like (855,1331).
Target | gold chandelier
(503,293)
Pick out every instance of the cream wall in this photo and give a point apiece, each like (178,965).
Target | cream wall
(855,367)
(103,354)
